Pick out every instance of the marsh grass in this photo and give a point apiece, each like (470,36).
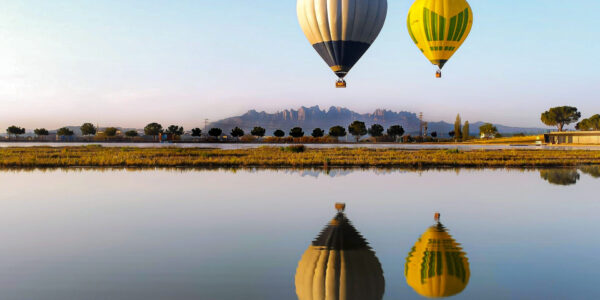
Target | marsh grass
(86,156)
(530,139)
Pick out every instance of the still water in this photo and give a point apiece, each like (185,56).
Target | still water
(275,234)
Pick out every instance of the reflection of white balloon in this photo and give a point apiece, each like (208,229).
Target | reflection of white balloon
(339,265)
(341,30)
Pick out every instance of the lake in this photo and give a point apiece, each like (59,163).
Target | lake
(241,234)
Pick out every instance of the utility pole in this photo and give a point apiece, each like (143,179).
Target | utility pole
(205,126)
(420,124)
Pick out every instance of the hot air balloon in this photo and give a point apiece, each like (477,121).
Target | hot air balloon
(339,265)
(436,266)
(341,30)
(439,28)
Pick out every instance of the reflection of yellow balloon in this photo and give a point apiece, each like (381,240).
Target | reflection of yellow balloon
(439,28)
(339,265)
(436,266)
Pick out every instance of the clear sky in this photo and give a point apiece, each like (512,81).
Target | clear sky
(130,62)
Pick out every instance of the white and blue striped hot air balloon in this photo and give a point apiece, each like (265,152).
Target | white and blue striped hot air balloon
(341,30)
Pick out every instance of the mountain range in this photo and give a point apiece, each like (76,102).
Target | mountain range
(309,118)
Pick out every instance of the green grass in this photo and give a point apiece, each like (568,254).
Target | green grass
(94,156)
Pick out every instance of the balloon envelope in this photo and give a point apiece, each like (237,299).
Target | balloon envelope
(341,31)
(439,27)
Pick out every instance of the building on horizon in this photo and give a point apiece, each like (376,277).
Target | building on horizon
(573,137)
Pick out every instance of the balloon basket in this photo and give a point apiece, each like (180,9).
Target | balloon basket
(438,74)
(340,84)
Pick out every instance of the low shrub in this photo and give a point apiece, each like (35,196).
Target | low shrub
(295,148)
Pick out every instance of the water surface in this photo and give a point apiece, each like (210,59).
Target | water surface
(182,234)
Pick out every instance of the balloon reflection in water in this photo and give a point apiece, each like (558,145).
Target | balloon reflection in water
(339,265)
(436,266)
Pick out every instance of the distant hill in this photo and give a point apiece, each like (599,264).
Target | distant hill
(313,117)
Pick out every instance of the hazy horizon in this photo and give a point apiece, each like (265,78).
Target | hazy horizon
(127,63)
(200,124)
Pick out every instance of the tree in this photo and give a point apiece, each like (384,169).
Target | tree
(153,129)
(41,131)
(131,133)
(318,132)
(15,130)
(175,130)
(465,131)
(258,131)
(88,129)
(395,131)
(451,133)
(215,132)
(593,171)
(434,134)
(376,130)
(110,131)
(296,132)
(279,133)
(237,132)
(337,131)
(592,123)
(64,132)
(197,132)
(561,116)
(560,176)
(457,129)
(357,129)
(488,129)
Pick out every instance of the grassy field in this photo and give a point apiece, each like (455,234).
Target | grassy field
(96,156)
(530,139)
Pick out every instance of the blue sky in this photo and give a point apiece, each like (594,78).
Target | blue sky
(127,63)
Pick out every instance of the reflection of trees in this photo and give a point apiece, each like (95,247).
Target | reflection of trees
(560,176)
(593,171)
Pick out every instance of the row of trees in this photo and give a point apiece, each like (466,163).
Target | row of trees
(357,129)
(562,116)
(88,129)
(460,132)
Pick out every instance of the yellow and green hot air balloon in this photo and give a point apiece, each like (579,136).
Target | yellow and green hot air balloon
(439,28)
(339,265)
(341,30)
(436,266)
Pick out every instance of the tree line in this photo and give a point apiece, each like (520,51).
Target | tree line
(557,116)
(356,129)
(562,116)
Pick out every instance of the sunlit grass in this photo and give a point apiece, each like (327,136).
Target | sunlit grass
(530,139)
(29,157)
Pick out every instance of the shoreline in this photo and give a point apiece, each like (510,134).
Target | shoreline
(289,157)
